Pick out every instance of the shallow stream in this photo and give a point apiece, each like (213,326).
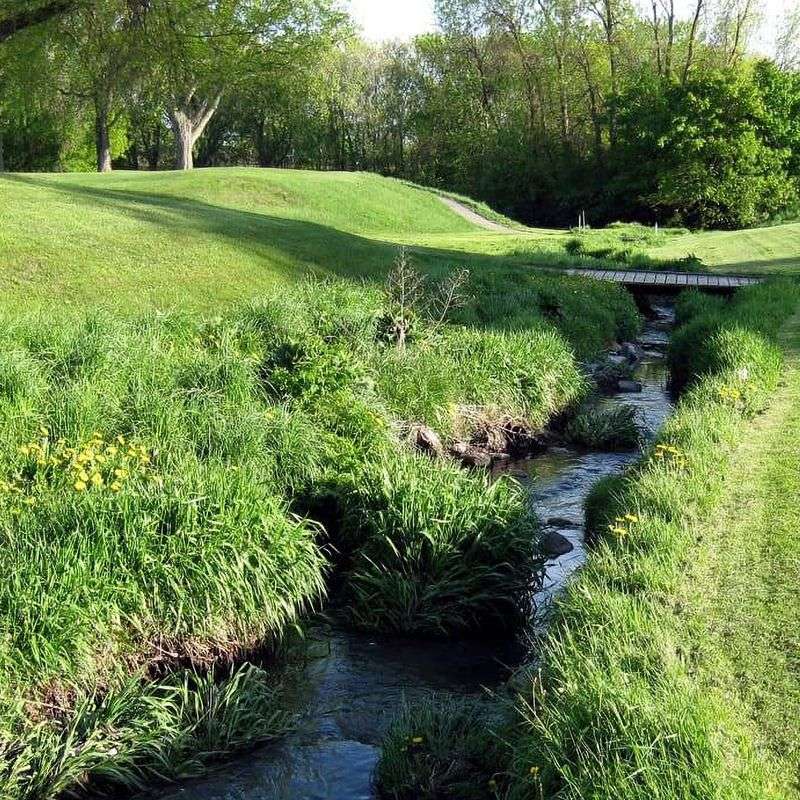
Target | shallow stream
(354,684)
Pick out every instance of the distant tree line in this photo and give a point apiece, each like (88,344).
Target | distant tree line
(543,108)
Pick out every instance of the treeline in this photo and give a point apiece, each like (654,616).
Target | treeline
(543,108)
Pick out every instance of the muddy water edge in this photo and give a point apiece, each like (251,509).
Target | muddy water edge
(352,685)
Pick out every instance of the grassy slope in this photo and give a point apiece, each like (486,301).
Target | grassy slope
(744,585)
(773,250)
(207,238)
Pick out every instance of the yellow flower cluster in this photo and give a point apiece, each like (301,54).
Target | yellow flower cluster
(622,526)
(667,452)
(95,465)
(730,395)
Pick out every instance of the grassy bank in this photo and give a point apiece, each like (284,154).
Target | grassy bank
(205,240)
(623,706)
(647,686)
(178,491)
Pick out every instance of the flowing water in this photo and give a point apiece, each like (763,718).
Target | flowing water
(354,684)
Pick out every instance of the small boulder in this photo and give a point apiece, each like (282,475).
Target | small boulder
(630,351)
(562,522)
(629,387)
(553,544)
(427,440)
(471,456)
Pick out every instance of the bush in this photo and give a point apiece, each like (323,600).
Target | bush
(605,428)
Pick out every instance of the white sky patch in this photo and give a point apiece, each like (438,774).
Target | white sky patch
(390,19)
(403,19)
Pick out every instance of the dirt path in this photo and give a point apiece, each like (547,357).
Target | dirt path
(474,217)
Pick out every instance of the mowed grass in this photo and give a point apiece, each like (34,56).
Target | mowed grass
(210,237)
(743,585)
(770,251)
(202,240)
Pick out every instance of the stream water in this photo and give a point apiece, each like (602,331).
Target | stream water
(353,684)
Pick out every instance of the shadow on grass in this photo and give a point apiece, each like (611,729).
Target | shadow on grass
(302,246)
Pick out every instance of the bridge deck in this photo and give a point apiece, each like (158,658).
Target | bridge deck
(667,280)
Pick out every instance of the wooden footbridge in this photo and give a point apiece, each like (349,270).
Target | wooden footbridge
(667,282)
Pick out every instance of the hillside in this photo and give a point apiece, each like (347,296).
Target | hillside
(206,238)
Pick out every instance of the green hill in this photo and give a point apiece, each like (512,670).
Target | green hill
(206,238)
(211,236)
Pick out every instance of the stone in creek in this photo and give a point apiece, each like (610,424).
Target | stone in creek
(562,522)
(553,544)
(630,351)
(471,456)
(629,387)
(427,440)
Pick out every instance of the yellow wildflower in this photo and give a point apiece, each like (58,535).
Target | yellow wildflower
(80,486)
(97,479)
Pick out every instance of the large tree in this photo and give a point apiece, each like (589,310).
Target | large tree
(205,48)
(18,15)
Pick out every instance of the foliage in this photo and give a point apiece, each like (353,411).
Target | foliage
(604,428)
(702,143)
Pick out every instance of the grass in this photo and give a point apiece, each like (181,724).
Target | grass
(628,703)
(177,489)
(605,428)
(439,748)
(746,616)
(773,250)
(210,238)
(669,670)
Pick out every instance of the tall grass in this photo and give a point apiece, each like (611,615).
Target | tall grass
(618,710)
(614,705)
(175,492)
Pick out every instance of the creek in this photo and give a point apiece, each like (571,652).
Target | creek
(352,684)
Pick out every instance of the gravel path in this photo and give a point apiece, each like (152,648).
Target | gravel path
(474,217)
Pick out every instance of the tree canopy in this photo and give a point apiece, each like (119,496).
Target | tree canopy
(546,109)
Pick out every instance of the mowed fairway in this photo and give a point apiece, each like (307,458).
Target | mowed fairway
(209,237)
(205,239)
(772,251)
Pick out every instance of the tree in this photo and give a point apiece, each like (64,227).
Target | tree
(208,47)
(707,160)
(18,15)
(100,46)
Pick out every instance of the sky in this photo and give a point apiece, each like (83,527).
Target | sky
(393,19)
(402,19)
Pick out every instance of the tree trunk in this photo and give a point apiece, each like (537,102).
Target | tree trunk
(101,137)
(188,126)
(183,131)
(154,150)
(2,154)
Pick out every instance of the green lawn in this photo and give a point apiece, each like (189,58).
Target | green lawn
(743,592)
(774,250)
(207,238)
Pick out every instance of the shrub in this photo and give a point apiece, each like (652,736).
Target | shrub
(605,428)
